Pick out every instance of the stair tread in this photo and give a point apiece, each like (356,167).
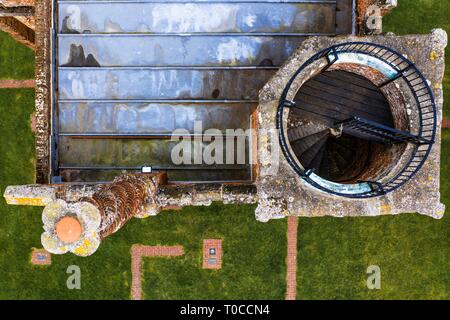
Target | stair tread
(318,158)
(343,95)
(340,161)
(300,146)
(304,129)
(336,111)
(351,78)
(324,166)
(340,147)
(339,83)
(358,97)
(334,170)
(364,107)
(308,115)
(308,156)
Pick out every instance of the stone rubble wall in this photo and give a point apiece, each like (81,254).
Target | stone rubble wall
(168,197)
(43,90)
(286,194)
(277,196)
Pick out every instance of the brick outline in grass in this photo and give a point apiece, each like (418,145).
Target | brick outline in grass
(445,123)
(291,258)
(139,251)
(15,84)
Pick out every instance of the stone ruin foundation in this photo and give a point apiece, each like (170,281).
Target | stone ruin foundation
(96,210)
(285,193)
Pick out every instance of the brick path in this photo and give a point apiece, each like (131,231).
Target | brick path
(139,251)
(8,83)
(445,123)
(291,259)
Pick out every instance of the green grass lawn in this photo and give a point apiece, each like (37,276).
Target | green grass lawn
(253,261)
(421,16)
(16,61)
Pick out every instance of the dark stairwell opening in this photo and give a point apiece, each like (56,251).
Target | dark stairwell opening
(320,137)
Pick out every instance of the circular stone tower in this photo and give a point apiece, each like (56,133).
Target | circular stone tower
(357,120)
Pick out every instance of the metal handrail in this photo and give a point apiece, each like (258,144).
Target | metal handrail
(385,133)
(420,90)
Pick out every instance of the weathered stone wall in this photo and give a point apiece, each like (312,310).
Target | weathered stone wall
(43,90)
(277,195)
(168,197)
(285,193)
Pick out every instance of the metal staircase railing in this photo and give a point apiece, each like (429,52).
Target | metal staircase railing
(379,132)
(425,108)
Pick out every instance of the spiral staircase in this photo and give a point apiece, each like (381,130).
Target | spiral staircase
(339,121)
(317,136)
(339,158)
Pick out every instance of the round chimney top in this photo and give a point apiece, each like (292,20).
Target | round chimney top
(68,229)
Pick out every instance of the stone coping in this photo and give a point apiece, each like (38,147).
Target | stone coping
(169,196)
